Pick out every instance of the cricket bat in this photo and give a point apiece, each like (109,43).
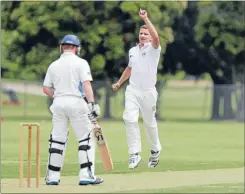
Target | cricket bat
(103,148)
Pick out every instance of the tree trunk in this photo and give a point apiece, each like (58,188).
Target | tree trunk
(159,87)
(228,90)
(228,111)
(107,108)
(216,102)
(240,116)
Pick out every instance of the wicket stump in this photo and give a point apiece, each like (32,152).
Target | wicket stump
(21,163)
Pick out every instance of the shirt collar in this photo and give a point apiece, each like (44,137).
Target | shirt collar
(67,53)
(145,45)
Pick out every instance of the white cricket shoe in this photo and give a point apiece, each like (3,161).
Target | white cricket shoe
(134,160)
(154,159)
(94,181)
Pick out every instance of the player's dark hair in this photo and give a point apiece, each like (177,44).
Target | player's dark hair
(144,27)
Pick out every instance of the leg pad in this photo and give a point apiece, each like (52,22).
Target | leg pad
(84,147)
(85,165)
(54,168)
(55,151)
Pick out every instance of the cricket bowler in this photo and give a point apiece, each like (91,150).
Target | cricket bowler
(141,94)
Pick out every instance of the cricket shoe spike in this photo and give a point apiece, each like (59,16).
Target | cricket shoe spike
(134,160)
(94,181)
(154,159)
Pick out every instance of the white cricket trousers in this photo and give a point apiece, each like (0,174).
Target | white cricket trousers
(144,101)
(73,110)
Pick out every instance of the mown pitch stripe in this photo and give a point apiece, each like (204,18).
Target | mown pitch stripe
(134,181)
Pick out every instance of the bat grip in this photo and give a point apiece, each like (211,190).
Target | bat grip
(94,123)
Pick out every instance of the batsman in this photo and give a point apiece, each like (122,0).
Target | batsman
(61,83)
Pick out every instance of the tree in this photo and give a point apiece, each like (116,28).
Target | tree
(207,39)
(33,37)
(32,32)
(224,23)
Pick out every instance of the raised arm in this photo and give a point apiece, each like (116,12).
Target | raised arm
(152,30)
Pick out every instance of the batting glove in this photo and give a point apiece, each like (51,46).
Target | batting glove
(94,111)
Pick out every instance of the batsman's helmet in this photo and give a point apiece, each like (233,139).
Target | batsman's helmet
(71,40)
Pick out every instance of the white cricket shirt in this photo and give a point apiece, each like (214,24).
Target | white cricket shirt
(65,73)
(144,62)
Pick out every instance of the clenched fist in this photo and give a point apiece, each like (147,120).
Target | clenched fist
(142,14)
(116,86)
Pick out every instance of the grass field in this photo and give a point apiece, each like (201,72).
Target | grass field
(176,103)
(187,147)
(213,188)
(197,157)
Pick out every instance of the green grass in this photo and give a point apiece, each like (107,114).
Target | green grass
(192,103)
(213,188)
(176,103)
(186,146)
(32,107)
(188,143)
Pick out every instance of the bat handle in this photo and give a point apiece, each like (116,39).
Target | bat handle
(95,124)
(86,100)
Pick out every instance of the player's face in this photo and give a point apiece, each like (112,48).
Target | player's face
(144,36)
